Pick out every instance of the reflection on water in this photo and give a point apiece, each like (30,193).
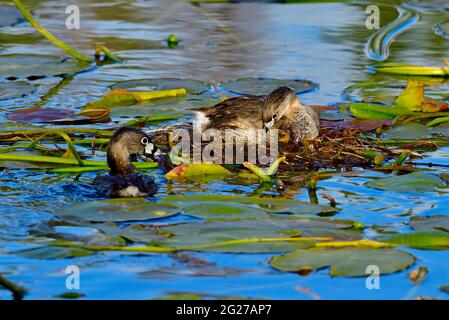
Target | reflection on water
(323,43)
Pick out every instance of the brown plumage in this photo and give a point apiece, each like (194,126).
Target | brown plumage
(123,179)
(281,109)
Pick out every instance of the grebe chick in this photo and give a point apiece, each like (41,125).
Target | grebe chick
(123,179)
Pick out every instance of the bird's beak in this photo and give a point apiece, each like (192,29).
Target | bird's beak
(269,125)
(151,151)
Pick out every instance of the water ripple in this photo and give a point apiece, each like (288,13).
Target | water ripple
(378,45)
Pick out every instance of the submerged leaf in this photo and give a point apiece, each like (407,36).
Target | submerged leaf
(118,210)
(415,182)
(349,262)
(263,86)
(225,236)
(59,116)
(269,205)
(15,89)
(28,66)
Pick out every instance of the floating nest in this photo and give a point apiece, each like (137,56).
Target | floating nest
(334,149)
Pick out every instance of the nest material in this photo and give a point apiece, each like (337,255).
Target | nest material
(331,149)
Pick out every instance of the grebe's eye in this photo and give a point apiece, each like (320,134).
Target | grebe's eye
(144,140)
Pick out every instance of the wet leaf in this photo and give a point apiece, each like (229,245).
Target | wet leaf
(118,210)
(28,66)
(348,262)
(263,86)
(436,121)
(409,130)
(421,240)
(70,295)
(415,182)
(197,171)
(430,223)
(269,205)
(366,124)
(198,233)
(412,70)
(412,97)
(122,97)
(47,252)
(59,116)
(192,86)
(15,89)
(377,112)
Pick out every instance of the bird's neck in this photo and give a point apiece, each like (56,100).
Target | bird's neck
(118,160)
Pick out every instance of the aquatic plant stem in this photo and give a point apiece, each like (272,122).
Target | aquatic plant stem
(17,291)
(27,15)
(59,160)
(186,248)
(72,149)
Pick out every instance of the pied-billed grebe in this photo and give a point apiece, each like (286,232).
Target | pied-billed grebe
(123,179)
(281,109)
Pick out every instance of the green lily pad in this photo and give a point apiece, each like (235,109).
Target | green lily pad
(192,86)
(197,296)
(15,89)
(118,210)
(199,205)
(20,66)
(211,232)
(9,16)
(61,230)
(415,182)
(421,240)
(348,262)
(218,210)
(70,295)
(409,130)
(49,252)
(263,86)
(431,223)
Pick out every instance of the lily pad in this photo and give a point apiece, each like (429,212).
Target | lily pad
(20,66)
(212,232)
(348,262)
(192,86)
(9,16)
(421,240)
(415,182)
(49,252)
(119,210)
(263,86)
(409,130)
(431,223)
(61,230)
(197,172)
(16,89)
(250,204)
(59,116)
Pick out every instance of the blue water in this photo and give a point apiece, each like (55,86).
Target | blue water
(323,43)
